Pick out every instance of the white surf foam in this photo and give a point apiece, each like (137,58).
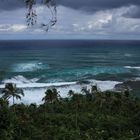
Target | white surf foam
(19,80)
(105,85)
(127,54)
(137,79)
(130,67)
(28,66)
(34,92)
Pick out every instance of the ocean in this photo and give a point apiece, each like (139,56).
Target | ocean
(39,63)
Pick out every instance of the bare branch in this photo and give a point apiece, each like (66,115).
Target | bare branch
(31,16)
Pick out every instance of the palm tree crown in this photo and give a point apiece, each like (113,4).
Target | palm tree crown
(11,90)
(51,95)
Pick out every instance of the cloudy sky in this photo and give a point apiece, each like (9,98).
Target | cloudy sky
(99,19)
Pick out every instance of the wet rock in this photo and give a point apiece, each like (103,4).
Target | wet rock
(129,85)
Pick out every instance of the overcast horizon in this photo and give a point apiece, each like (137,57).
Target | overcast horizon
(90,19)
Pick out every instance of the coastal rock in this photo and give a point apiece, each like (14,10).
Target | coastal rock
(131,85)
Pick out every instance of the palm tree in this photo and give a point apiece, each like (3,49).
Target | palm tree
(48,96)
(94,88)
(77,102)
(51,95)
(90,93)
(86,92)
(70,93)
(11,90)
(55,94)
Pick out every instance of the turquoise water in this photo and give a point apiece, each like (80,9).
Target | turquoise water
(70,60)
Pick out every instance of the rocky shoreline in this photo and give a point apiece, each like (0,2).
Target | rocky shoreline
(134,86)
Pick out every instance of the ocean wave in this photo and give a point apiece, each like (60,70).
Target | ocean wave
(23,82)
(127,55)
(132,67)
(105,85)
(92,71)
(29,66)
(34,92)
(20,80)
(137,79)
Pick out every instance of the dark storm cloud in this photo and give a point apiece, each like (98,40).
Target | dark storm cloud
(135,13)
(84,5)
(11,4)
(77,4)
(92,5)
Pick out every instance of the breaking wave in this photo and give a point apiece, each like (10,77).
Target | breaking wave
(131,67)
(34,92)
(19,80)
(29,67)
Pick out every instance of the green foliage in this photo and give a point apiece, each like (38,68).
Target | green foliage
(51,95)
(11,90)
(99,116)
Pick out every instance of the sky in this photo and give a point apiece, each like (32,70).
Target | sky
(85,19)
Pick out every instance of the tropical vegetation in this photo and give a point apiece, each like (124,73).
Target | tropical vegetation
(89,115)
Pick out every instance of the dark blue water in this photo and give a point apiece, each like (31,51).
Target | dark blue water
(70,60)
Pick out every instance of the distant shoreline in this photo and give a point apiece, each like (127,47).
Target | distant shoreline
(71,39)
(35,91)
